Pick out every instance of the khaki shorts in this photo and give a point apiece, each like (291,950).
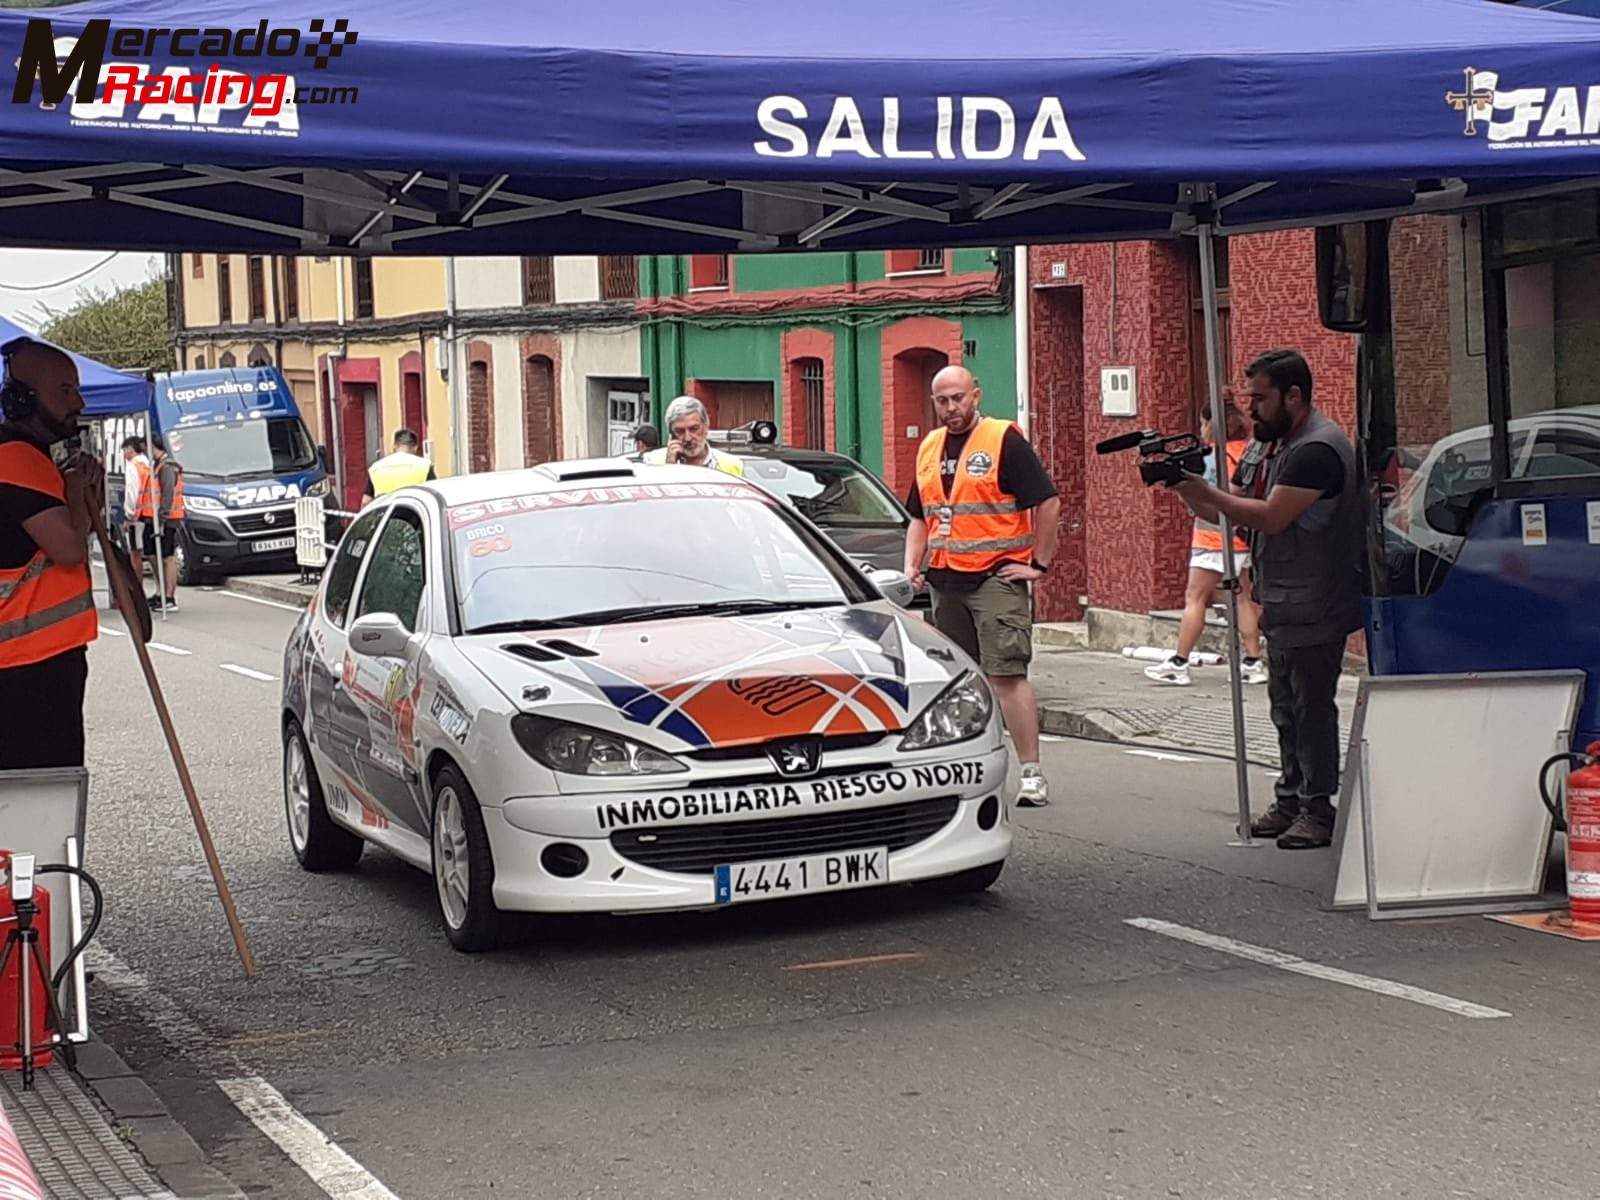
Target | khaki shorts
(993,623)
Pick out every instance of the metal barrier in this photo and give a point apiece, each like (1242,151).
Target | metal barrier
(317,531)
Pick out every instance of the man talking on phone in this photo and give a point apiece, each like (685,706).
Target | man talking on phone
(689,428)
(47,614)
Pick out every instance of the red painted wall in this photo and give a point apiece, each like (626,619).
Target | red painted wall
(1123,545)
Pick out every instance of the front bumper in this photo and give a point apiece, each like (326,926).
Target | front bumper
(976,833)
(238,539)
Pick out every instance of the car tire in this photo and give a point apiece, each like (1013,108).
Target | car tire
(463,867)
(978,879)
(318,843)
(189,575)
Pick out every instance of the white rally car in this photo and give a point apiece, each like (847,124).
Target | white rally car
(609,687)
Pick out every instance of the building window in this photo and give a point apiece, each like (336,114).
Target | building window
(914,262)
(197,266)
(708,272)
(814,394)
(538,279)
(199,362)
(260,356)
(227,359)
(224,289)
(364,302)
(291,288)
(619,277)
(256,273)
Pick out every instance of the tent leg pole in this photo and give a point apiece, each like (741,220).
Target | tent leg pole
(1214,370)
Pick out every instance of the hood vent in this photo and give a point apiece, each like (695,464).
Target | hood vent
(552,650)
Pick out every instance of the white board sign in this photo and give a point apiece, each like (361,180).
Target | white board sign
(1534,530)
(1594,522)
(1452,762)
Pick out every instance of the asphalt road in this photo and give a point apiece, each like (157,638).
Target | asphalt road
(1026,1043)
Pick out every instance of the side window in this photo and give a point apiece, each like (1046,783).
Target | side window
(346,566)
(398,573)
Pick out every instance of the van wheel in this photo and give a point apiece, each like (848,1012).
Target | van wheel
(189,575)
(463,868)
(317,842)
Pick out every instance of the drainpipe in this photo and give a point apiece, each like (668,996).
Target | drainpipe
(1023,325)
(453,376)
(847,415)
(334,356)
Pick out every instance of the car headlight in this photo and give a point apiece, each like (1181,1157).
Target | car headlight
(320,488)
(205,504)
(579,750)
(959,712)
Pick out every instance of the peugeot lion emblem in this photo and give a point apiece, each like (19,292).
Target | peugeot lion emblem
(797,758)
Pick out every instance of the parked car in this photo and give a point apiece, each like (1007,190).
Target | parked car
(598,687)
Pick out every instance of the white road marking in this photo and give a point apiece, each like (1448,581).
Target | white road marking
(1288,962)
(294,608)
(247,672)
(1162,756)
(112,632)
(329,1167)
(168,649)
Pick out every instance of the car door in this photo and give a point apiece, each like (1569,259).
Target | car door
(335,727)
(385,689)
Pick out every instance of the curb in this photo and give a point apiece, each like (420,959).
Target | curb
(167,1149)
(1097,725)
(267,589)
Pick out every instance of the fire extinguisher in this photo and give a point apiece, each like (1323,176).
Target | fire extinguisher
(1582,825)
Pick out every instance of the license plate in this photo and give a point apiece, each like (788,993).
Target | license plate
(266,544)
(774,878)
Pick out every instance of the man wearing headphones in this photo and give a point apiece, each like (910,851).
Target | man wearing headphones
(47,613)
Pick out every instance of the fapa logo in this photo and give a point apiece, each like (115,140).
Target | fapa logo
(178,97)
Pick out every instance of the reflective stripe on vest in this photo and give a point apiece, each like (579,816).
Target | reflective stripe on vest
(976,527)
(45,609)
(1207,534)
(152,491)
(396,471)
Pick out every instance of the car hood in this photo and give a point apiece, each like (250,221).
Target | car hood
(721,681)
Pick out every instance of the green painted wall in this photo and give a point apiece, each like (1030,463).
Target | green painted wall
(726,348)
(782,272)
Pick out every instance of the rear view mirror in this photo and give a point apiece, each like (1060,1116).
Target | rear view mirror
(1352,274)
(895,585)
(379,635)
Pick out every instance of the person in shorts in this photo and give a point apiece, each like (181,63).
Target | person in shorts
(984,526)
(1207,568)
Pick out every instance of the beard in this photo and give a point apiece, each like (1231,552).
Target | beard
(1271,431)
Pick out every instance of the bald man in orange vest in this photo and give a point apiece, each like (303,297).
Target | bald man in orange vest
(47,614)
(985,517)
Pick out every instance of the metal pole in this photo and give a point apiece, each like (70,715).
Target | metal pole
(1230,582)
(460,462)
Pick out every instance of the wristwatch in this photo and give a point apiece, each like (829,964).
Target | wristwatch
(1042,568)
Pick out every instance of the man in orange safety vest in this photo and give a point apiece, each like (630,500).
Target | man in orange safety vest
(47,613)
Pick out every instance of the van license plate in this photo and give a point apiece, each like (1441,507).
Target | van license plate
(267,544)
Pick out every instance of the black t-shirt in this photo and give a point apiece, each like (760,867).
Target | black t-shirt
(19,504)
(1022,476)
(1314,466)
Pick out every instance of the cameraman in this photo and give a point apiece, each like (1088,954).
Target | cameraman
(1301,502)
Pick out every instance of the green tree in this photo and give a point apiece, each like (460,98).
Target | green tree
(125,328)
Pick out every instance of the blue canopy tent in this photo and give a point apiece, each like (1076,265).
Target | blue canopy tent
(638,127)
(107,392)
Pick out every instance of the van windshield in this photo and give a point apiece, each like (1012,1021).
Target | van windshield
(243,449)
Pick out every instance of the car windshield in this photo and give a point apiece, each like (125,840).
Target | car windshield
(606,554)
(828,491)
(242,449)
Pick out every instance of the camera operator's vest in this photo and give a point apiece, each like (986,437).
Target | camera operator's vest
(977,527)
(1308,578)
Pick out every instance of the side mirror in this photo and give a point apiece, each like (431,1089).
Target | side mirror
(1352,274)
(379,635)
(895,585)
(322,459)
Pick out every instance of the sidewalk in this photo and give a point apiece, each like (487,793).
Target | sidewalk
(102,1134)
(1106,698)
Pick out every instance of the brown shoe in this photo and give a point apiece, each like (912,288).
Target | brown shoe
(1271,823)
(1307,833)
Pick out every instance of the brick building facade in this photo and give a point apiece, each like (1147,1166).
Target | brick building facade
(1125,547)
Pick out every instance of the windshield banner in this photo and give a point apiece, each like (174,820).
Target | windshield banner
(464,515)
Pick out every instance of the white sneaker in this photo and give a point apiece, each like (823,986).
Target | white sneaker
(1253,672)
(1172,671)
(1032,791)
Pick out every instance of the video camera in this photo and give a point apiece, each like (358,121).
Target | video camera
(1164,458)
